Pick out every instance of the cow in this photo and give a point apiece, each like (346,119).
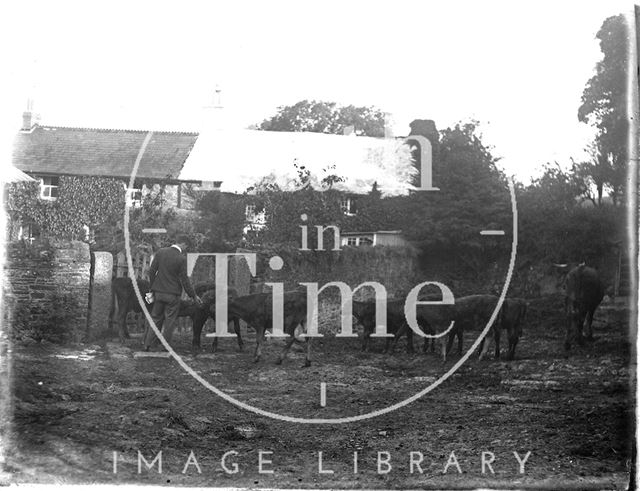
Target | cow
(509,319)
(512,317)
(467,312)
(256,310)
(584,291)
(123,301)
(365,314)
(199,315)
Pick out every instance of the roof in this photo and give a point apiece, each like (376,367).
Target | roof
(241,158)
(101,152)
(377,232)
(11,174)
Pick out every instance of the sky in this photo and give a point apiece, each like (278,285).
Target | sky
(519,68)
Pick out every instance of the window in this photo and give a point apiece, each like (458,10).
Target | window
(134,195)
(347,205)
(49,187)
(362,240)
(250,212)
(89,234)
(28,231)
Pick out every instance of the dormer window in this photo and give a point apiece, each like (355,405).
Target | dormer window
(49,187)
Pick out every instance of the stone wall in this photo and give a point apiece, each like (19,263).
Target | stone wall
(47,288)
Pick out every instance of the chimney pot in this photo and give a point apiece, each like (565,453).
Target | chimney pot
(27,120)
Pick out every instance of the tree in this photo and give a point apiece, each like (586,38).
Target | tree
(221,221)
(604,104)
(326,117)
(473,193)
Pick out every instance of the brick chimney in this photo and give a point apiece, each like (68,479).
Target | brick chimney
(388,125)
(28,118)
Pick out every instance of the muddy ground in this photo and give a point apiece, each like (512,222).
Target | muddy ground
(76,406)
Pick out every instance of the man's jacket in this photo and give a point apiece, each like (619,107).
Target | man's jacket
(168,273)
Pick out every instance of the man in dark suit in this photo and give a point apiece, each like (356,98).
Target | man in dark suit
(168,276)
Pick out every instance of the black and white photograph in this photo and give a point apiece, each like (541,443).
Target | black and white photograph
(319,245)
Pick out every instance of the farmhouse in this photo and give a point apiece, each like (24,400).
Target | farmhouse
(51,153)
(218,158)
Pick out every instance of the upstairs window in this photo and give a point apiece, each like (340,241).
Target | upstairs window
(250,212)
(348,205)
(134,195)
(49,187)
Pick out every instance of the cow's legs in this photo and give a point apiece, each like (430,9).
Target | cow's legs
(443,347)
(496,337)
(589,330)
(366,337)
(122,325)
(307,360)
(290,340)
(460,334)
(579,325)
(568,335)
(404,328)
(513,341)
(236,328)
(409,341)
(450,337)
(260,332)
(484,345)
(197,321)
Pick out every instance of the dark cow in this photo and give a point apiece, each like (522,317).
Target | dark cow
(365,314)
(123,301)
(584,292)
(256,310)
(466,312)
(199,315)
(510,319)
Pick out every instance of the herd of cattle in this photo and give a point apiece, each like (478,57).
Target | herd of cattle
(583,293)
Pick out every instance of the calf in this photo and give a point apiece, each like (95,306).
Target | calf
(466,313)
(123,301)
(512,316)
(510,319)
(365,314)
(199,316)
(584,292)
(256,310)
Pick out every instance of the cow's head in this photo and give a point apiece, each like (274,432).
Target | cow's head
(562,270)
